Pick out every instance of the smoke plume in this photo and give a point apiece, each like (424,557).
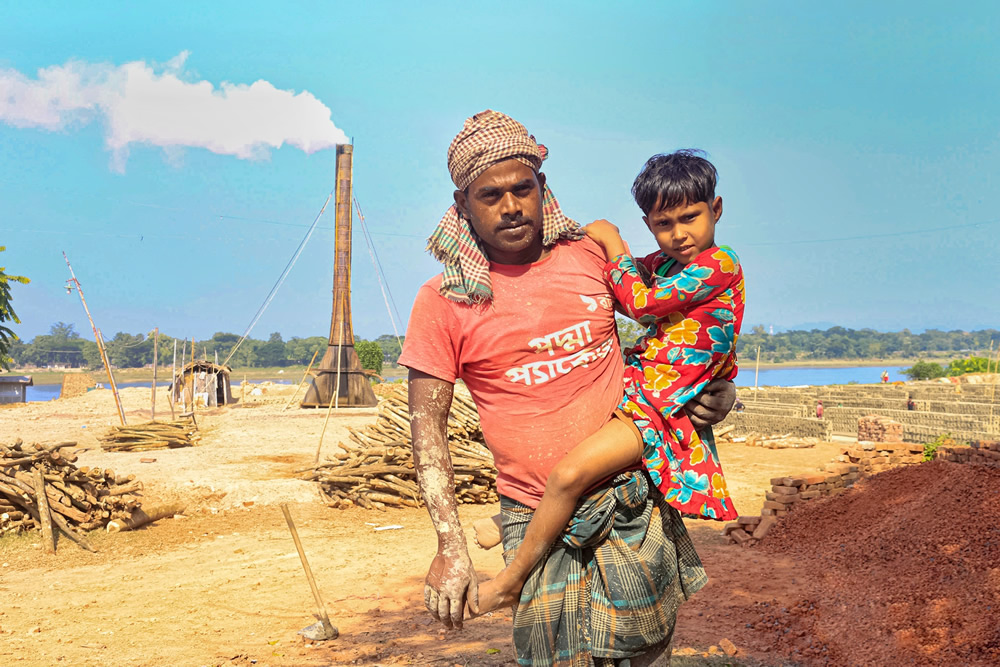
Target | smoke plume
(160,105)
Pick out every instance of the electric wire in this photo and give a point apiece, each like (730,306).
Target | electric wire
(379,273)
(280,280)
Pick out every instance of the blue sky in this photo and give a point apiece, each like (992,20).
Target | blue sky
(858,146)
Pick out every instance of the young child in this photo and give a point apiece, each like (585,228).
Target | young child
(693,312)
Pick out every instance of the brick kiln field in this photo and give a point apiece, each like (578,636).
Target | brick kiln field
(852,576)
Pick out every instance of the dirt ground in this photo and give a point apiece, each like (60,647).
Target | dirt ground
(222,584)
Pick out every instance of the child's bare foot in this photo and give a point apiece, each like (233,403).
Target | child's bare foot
(487,533)
(497,593)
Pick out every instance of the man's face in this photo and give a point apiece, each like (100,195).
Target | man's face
(684,231)
(505,207)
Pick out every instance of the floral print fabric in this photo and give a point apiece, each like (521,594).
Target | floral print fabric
(693,319)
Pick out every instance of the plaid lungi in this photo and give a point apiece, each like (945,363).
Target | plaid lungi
(611,586)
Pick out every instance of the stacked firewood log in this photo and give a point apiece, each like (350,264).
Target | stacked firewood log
(153,435)
(77,498)
(375,469)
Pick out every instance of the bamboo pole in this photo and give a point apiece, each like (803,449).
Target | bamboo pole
(194,382)
(156,344)
(183,384)
(993,389)
(756,374)
(173,381)
(97,339)
(44,514)
(215,379)
(340,344)
(111,378)
(333,399)
(302,382)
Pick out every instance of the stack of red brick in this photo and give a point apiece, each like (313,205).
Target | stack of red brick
(786,493)
(978,451)
(879,429)
(874,457)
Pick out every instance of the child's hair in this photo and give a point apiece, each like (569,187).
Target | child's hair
(671,180)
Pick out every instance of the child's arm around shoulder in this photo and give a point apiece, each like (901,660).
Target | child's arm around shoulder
(606,235)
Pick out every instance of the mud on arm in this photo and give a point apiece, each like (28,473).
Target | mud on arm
(451,581)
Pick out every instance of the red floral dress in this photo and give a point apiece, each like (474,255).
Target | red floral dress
(693,319)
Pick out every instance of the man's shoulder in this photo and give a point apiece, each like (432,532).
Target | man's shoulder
(430,291)
(585,247)
(433,283)
(585,253)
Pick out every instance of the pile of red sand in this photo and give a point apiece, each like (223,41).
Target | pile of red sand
(902,569)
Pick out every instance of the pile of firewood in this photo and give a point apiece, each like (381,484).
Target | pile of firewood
(40,486)
(154,435)
(376,467)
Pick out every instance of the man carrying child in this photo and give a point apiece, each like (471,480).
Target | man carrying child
(522,315)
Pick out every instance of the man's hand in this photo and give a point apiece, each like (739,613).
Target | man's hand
(451,583)
(608,237)
(712,405)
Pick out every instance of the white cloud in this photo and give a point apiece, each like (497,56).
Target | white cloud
(158,105)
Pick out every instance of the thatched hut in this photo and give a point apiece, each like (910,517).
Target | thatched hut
(208,383)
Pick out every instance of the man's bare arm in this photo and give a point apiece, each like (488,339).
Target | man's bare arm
(451,581)
(712,405)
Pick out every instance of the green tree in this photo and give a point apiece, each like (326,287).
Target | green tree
(271,353)
(128,351)
(62,346)
(969,365)
(924,370)
(63,331)
(221,343)
(370,354)
(629,331)
(300,350)
(7,314)
(390,345)
(91,355)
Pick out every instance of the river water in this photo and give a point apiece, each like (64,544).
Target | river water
(47,392)
(809,375)
(772,377)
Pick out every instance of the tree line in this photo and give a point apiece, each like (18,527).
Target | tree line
(861,344)
(63,346)
(850,344)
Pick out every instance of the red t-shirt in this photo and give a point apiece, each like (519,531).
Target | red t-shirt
(542,360)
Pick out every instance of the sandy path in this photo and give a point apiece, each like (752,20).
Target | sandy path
(224,586)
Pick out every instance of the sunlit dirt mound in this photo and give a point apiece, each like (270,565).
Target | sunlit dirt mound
(902,569)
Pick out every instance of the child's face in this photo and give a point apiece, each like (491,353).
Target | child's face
(684,231)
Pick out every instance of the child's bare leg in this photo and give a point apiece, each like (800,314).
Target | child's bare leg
(488,533)
(611,449)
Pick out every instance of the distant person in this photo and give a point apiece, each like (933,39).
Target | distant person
(738,405)
(885,376)
(819,409)
(910,404)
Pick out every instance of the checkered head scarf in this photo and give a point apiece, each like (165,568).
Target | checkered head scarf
(486,139)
